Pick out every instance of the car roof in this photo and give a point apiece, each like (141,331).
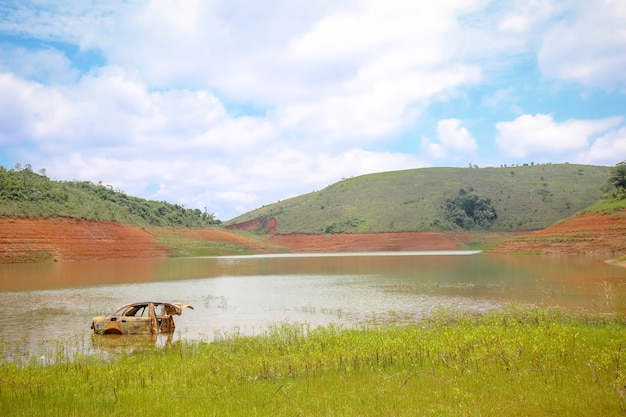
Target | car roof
(149,302)
(176,305)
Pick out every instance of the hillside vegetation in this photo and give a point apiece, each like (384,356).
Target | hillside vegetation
(25,193)
(445,208)
(515,198)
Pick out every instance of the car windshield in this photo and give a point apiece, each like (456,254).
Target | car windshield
(130,311)
(141,310)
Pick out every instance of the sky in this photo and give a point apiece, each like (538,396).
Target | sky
(229,105)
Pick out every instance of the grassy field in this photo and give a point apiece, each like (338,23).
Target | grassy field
(524,197)
(520,361)
(606,205)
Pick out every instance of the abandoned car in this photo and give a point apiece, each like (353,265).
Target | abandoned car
(140,318)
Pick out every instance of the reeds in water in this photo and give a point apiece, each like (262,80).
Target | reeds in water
(518,361)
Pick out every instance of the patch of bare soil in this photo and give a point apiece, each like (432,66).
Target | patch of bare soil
(370,242)
(588,234)
(32,239)
(223,236)
(262,225)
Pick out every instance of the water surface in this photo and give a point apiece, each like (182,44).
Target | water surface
(43,303)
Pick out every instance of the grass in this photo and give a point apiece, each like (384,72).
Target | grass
(485,241)
(30,257)
(520,361)
(607,205)
(525,198)
(621,261)
(184,246)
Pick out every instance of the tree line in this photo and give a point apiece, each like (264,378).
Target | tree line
(617,181)
(24,192)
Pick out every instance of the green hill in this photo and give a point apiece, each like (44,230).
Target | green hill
(498,199)
(28,194)
(501,199)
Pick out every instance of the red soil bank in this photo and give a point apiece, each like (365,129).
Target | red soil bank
(71,239)
(25,239)
(366,242)
(588,234)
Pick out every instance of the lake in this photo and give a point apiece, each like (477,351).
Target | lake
(43,304)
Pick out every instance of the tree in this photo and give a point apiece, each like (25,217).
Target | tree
(470,210)
(618,175)
(617,180)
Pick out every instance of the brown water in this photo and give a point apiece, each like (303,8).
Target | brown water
(43,304)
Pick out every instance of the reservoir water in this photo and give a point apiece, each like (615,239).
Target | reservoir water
(43,304)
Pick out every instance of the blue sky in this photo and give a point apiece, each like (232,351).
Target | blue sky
(231,105)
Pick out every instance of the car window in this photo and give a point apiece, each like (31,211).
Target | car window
(135,311)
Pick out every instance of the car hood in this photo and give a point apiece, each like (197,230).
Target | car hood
(175,308)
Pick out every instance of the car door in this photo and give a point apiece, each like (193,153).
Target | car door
(135,320)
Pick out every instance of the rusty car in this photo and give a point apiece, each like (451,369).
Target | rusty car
(151,317)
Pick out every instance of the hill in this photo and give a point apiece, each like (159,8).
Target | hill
(25,193)
(44,220)
(504,199)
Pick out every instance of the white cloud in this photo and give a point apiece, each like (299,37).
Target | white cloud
(526,15)
(374,111)
(434,150)
(608,149)
(380,60)
(45,65)
(504,99)
(541,136)
(13,110)
(498,98)
(589,45)
(353,162)
(454,139)
(112,109)
(336,88)
(391,56)
(238,197)
(94,111)
(502,35)
(370,30)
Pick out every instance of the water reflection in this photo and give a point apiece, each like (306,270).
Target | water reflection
(114,344)
(47,302)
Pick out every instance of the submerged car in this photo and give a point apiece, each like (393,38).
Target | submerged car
(150,317)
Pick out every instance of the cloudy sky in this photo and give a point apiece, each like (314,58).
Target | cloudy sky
(229,105)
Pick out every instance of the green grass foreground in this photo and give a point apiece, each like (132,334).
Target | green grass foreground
(520,361)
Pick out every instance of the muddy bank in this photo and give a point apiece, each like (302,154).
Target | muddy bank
(371,242)
(64,239)
(56,239)
(595,234)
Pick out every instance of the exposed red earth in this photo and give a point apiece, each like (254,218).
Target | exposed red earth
(370,242)
(25,239)
(594,234)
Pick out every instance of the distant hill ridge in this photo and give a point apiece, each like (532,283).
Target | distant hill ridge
(515,198)
(25,193)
